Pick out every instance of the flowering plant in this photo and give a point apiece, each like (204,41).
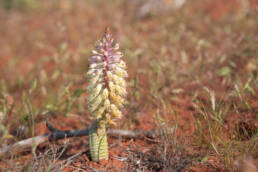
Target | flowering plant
(107,92)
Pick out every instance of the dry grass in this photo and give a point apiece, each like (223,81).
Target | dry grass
(194,69)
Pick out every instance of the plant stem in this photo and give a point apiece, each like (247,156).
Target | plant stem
(98,141)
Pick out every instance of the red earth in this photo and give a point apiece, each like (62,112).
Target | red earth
(127,154)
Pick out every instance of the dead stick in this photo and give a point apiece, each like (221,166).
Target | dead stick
(24,145)
(27,144)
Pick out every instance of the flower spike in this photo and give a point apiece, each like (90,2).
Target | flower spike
(107,92)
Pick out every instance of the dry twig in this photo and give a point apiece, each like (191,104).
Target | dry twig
(27,144)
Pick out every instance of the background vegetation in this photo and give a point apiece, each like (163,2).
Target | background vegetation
(191,68)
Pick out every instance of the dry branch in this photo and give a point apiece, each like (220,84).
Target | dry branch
(27,144)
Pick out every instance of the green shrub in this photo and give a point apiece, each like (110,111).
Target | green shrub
(18,4)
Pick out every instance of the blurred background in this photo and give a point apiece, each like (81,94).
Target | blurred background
(182,57)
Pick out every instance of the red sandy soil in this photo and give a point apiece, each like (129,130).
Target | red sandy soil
(144,121)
